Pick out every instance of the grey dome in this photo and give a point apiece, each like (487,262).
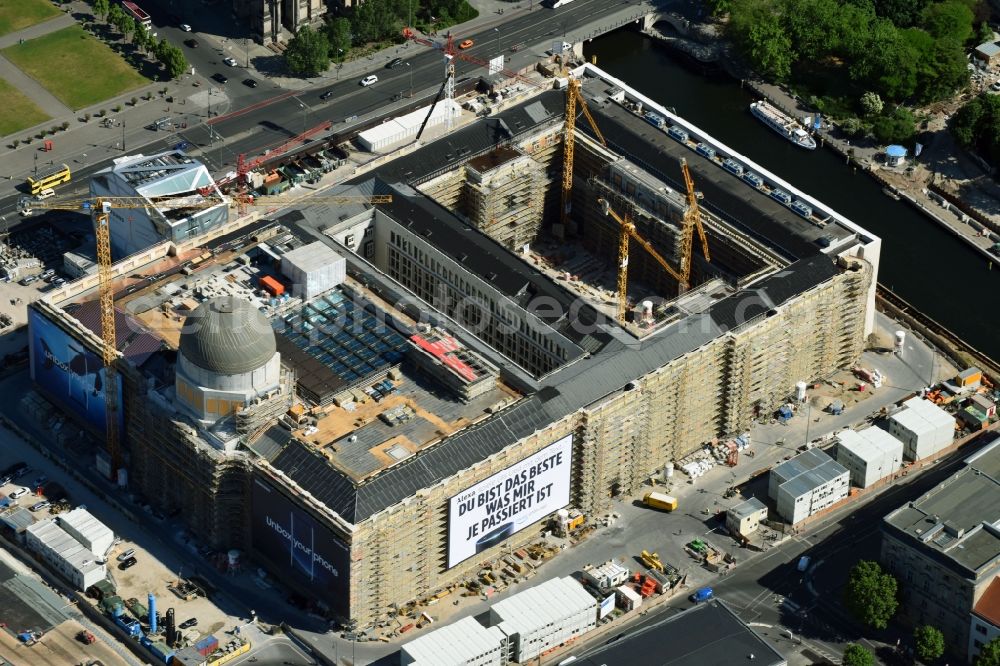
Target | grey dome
(228,336)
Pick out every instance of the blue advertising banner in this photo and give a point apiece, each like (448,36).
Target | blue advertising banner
(298,548)
(69,374)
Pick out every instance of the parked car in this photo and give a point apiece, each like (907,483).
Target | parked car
(185,27)
(249,83)
(327,95)
(38,506)
(995,86)
(18,492)
(128,564)
(191,43)
(40,481)
(369,80)
(221,78)
(394,63)
(127,554)
(231,62)
(187,624)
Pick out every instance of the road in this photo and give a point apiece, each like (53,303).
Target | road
(255,119)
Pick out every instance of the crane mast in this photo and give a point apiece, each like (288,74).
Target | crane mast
(573,97)
(109,350)
(627,231)
(692,221)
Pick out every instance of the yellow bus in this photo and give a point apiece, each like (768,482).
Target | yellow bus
(48,180)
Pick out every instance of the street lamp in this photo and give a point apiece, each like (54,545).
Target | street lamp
(123,136)
(305,110)
(410,70)
(497,30)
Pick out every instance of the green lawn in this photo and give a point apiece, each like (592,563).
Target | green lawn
(19,14)
(75,66)
(19,111)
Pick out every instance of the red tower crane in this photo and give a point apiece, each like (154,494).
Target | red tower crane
(244,166)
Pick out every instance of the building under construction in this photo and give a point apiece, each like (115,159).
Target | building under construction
(376,442)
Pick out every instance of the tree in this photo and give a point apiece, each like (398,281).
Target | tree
(855,655)
(898,127)
(142,37)
(964,125)
(903,13)
(761,34)
(871,104)
(128,27)
(173,60)
(989,654)
(984,33)
(338,35)
(929,642)
(101,8)
(951,19)
(811,26)
(871,592)
(852,127)
(308,52)
(115,15)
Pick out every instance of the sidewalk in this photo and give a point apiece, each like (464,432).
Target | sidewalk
(38,29)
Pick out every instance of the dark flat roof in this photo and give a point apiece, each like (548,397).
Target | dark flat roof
(710,634)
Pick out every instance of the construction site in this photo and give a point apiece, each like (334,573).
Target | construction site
(375,389)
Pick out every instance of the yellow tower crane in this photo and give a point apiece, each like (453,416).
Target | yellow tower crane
(692,221)
(626,231)
(100,209)
(572,97)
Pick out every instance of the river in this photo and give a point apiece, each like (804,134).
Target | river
(922,262)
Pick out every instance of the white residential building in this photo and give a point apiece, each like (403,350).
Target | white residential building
(92,533)
(923,427)
(869,455)
(462,643)
(546,616)
(744,518)
(608,575)
(807,484)
(65,554)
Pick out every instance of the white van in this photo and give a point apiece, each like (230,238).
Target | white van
(45,194)
(368,80)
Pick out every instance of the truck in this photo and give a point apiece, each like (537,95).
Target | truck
(660,501)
